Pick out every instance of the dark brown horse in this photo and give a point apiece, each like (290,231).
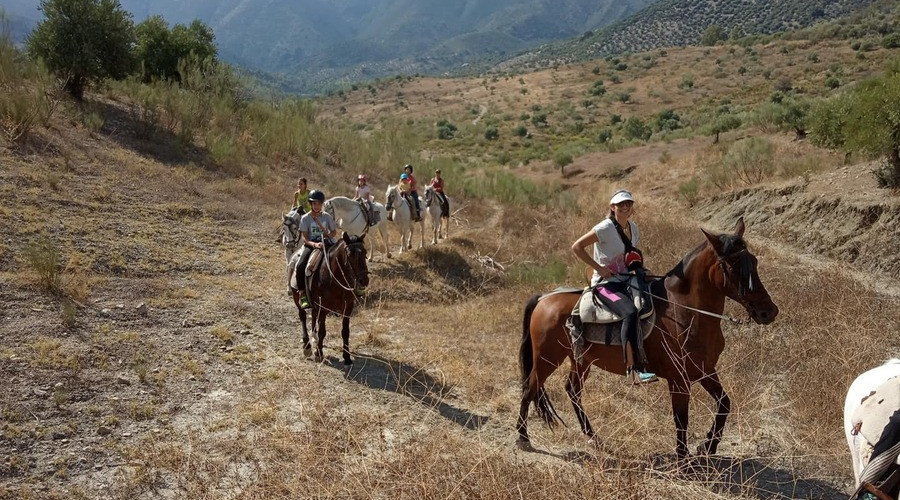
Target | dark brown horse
(331,289)
(683,347)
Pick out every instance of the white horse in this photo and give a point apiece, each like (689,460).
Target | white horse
(351,219)
(290,236)
(402,212)
(864,423)
(438,230)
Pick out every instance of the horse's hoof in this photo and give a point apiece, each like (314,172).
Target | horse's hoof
(348,362)
(307,351)
(706,448)
(319,358)
(524,444)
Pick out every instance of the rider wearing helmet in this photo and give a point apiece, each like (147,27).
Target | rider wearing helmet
(408,169)
(364,195)
(317,228)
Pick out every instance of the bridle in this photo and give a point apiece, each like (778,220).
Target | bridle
(349,286)
(288,224)
(745,270)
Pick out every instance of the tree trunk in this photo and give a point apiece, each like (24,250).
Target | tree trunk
(801,134)
(75,87)
(716,140)
(894,158)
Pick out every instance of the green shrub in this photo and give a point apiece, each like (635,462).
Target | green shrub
(29,93)
(521,131)
(604,136)
(492,133)
(635,128)
(597,89)
(46,261)
(690,191)
(751,160)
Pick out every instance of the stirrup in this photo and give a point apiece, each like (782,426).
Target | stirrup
(638,377)
(359,292)
(304,302)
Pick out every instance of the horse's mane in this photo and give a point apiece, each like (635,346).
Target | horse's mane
(730,244)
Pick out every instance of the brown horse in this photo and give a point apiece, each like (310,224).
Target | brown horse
(683,347)
(331,289)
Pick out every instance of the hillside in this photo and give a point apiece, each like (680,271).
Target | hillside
(313,44)
(150,349)
(672,23)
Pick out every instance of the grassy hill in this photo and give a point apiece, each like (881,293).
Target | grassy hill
(672,23)
(150,349)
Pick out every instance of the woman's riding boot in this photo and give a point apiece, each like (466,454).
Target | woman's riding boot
(638,376)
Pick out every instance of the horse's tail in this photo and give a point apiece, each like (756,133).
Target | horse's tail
(542,403)
(526,350)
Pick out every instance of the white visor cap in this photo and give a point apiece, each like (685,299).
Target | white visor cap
(620,196)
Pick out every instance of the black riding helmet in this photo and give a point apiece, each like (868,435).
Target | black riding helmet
(408,166)
(316,195)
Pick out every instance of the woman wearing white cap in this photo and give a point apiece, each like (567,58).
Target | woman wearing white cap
(609,239)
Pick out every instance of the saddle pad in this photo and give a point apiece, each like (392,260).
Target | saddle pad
(610,333)
(314,260)
(592,313)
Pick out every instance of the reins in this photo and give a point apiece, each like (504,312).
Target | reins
(736,321)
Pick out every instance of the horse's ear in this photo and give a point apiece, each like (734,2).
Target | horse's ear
(739,227)
(346,238)
(714,241)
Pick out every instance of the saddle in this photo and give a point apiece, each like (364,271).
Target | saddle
(593,311)
(601,326)
(371,217)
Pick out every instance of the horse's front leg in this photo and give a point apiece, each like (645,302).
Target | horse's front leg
(307,349)
(681,399)
(345,337)
(382,228)
(319,317)
(723,407)
(422,233)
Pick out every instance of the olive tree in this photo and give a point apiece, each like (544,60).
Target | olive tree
(84,41)
(865,120)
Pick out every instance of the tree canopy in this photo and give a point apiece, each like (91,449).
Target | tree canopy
(159,48)
(83,41)
(866,120)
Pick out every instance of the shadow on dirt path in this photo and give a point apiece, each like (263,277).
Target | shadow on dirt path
(394,376)
(753,478)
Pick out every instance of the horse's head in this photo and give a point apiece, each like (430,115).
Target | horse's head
(291,226)
(390,196)
(356,257)
(740,278)
(429,194)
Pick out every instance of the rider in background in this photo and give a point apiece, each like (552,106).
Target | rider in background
(403,189)
(408,169)
(301,197)
(364,194)
(317,229)
(437,184)
(609,265)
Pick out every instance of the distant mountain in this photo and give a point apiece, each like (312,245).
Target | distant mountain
(669,23)
(314,42)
